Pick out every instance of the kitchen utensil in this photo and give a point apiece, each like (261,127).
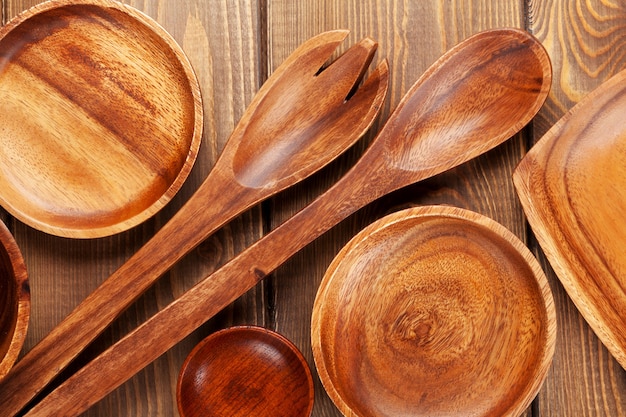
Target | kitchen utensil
(245,371)
(14,300)
(474,97)
(572,188)
(101,117)
(433,311)
(300,119)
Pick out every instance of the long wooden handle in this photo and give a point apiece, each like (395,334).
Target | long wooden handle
(209,296)
(191,225)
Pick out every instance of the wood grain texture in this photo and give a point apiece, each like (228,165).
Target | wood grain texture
(483,185)
(489,59)
(411,312)
(221,42)
(100,89)
(273,146)
(14,300)
(586,42)
(233,45)
(569,184)
(234,365)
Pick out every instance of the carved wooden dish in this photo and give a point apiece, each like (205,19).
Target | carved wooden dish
(245,371)
(572,185)
(101,117)
(14,300)
(433,311)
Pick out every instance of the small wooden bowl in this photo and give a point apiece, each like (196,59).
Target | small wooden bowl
(245,371)
(101,117)
(14,300)
(433,311)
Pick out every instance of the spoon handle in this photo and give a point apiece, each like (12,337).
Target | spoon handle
(184,315)
(193,223)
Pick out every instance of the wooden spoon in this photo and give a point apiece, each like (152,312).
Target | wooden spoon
(572,187)
(477,95)
(295,125)
(433,311)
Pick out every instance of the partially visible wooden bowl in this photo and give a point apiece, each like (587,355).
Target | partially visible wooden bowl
(245,371)
(433,311)
(101,117)
(572,186)
(14,300)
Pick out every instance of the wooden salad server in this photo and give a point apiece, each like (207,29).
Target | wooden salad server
(474,97)
(295,125)
(572,185)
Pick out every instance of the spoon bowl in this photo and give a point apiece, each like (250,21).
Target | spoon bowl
(14,300)
(245,371)
(101,117)
(433,311)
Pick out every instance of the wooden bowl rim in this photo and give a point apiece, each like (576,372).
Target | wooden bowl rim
(276,338)
(438,211)
(67,230)
(20,276)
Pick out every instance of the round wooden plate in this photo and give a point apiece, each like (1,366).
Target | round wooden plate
(433,311)
(100,117)
(245,371)
(14,300)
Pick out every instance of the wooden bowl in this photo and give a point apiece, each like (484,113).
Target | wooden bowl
(245,371)
(433,311)
(14,300)
(572,186)
(101,117)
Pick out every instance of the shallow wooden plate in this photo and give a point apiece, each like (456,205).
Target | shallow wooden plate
(245,371)
(100,117)
(433,311)
(572,185)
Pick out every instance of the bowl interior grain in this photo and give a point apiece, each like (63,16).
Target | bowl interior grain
(14,301)
(430,312)
(101,117)
(245,371)
(571,185)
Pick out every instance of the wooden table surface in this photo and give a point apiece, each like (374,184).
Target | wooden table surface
(233,46)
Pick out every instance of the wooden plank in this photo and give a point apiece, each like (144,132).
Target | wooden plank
(411,36)
(221,40)
(585,42)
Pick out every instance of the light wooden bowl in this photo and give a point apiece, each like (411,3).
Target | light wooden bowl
(245,371)
(572,186)
(101,117)
(14,300)
(433,311)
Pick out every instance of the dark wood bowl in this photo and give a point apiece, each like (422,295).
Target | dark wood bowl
(433,311)
(245,371)
(14,300)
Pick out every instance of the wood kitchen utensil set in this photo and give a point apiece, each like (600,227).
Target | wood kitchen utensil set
(432,310)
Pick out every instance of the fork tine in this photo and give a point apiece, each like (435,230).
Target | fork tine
(317,51)
(366,101)
(373,89)
(347,71)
